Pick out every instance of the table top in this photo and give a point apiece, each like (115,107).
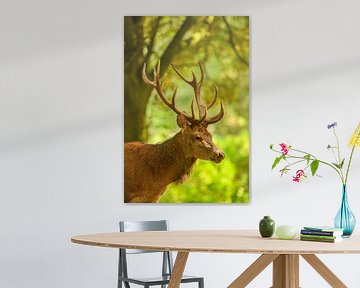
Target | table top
(217,241)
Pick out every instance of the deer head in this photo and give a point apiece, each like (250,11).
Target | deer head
(196,139)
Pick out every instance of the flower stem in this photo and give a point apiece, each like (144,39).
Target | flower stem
(351,155)
(338,146)
(338,171)
(339,156)
(296,162)
(304,152)
(348,167)
(312,159)
(333,152)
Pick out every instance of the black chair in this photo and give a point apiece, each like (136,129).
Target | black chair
(167,262)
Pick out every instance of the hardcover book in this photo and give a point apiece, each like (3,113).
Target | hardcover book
(325,240)
(320,237)
(323,228)
(321,233)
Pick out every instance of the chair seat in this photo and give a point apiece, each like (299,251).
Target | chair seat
(158,280)
(167,261)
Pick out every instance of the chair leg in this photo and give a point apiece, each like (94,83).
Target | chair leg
(201,283)
(126,284)
(120,273)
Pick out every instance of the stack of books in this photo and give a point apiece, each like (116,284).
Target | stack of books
(321,234)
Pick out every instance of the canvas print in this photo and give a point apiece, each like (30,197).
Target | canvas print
(186,109)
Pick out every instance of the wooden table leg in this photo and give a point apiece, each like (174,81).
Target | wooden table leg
(286,271)
(324,271)
(253,270)
(293,264)
(178,269)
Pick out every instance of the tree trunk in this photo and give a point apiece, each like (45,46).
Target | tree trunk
(136,92)
(136,99)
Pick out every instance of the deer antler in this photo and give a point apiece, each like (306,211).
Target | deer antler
(217,117)
(203,110)
(220,115)
(156,83)
(197,89)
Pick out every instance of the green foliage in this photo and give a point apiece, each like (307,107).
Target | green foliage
(276,161)
(208,41)
(222,45)
(314,167)
(227,182)
(295,156)
(339,166)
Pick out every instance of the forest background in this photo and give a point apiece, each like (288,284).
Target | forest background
(221,44)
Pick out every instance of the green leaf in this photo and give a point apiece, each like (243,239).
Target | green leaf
(336,165)
(276,161)
(339,166)
(307,157)
(314,166)
(342,163)
(271,146)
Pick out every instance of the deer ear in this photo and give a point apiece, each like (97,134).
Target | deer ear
(181,121)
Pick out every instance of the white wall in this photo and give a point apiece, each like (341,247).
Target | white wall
(61,124)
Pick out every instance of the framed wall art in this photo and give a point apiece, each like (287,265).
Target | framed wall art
(186,109)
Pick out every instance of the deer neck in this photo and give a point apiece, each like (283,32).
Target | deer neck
(177,164)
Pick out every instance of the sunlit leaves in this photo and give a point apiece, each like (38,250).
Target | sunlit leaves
(226,182)
(206,41)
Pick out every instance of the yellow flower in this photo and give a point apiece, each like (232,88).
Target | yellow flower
(355,137)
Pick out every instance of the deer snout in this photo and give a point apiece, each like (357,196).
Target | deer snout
(219,155)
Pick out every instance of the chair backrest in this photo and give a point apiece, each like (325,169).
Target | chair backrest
(137,226)
(133,226)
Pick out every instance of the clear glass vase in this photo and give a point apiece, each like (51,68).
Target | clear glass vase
(345,219)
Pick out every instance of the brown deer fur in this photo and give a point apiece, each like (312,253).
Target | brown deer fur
(151,168)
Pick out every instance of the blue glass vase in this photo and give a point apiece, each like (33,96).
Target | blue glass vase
(345,219)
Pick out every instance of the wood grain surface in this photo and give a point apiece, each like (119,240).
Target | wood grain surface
(179,268)
(324,271)
(253,270)
(217,241)
(286,271)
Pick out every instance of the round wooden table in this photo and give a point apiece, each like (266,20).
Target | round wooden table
(284,254)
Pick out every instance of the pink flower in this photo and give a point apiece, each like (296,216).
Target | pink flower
(300,174)
(284,148)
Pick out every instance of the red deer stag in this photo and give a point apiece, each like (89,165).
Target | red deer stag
(149,168)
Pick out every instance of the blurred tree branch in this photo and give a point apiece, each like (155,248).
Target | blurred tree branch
(150,46)
(232,42)
(136,93)
(175,43)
